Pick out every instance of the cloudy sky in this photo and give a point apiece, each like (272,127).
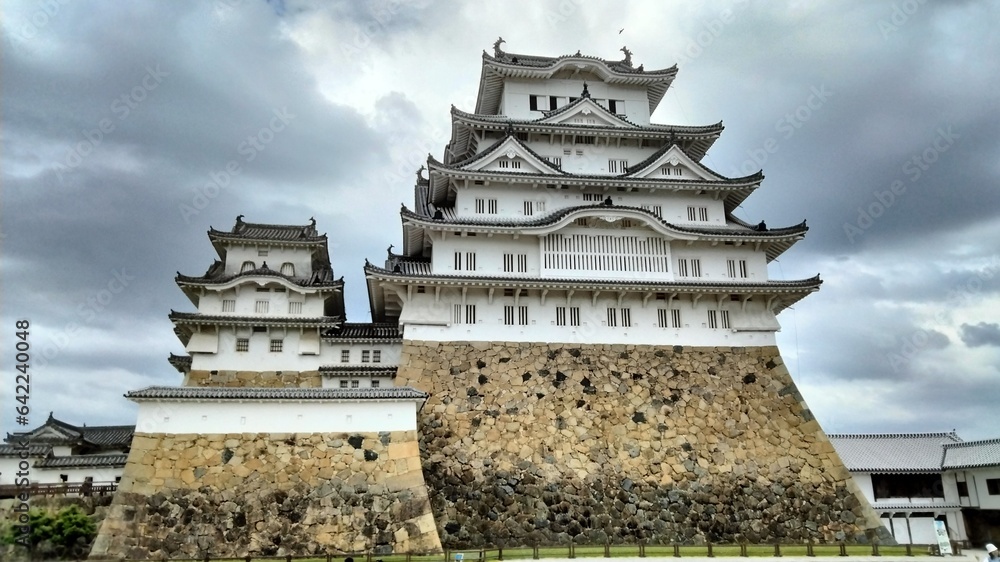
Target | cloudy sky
(127,131)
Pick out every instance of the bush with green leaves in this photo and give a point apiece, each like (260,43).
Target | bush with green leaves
(66,534)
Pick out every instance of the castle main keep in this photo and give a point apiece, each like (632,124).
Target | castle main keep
(575,342)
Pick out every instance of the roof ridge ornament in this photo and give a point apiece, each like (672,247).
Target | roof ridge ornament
(628,57)
(586,92)
(497,51)
(420,173)
(239,223)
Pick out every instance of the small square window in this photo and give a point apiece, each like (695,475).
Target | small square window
(377,356)
(276,345)
(345,355)
(355,383)
(343,384)
(375,383)
(365,356)
(242,344)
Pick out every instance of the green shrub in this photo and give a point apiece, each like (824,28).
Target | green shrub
(66,534)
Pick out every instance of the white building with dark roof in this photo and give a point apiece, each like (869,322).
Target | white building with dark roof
(560,213)
(911,479)
(62,453)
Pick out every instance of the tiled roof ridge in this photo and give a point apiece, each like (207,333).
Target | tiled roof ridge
(559,214)
(949,434)
(771,283)
(618,66)
(977,443)
(752,178)
(268,393)
(306,232)
(546,114)
(264,271)
(652,127)
(260,319)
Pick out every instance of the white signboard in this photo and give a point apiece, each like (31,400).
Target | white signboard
(944,545)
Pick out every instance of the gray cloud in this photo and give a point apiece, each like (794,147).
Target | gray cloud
(981,334)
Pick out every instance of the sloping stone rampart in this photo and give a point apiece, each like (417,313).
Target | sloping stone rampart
(549,443)
(230,495)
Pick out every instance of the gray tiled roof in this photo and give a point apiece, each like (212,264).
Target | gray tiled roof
(354,371)
(83,461)
(320,278)
(33,450)
(180,362)
(892,452)
(365,331)
(296,394)
(197,317)
(270,232)
(972,454)
(109,435)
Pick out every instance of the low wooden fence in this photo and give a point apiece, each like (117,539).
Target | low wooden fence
(640,550)
(60,489)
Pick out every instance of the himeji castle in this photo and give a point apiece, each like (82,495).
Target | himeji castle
(575,341)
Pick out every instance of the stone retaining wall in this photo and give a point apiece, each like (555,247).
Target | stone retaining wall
(265,379)
(185,496)
(550,443)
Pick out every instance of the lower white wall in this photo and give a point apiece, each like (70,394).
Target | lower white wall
(275,417)
(9,468)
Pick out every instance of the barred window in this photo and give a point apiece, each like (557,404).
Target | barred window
(276,346)
(228,305)
(345,355)
(242,344)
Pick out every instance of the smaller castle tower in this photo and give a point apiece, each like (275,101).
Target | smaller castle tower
(287,434)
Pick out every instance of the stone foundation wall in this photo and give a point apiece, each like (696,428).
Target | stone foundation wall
(550,443)
(266,379)
(185,496)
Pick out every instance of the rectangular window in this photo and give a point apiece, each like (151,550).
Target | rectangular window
(560,316)
(529,208)
(276,346)
(553,102)
(612,317)
(366,356)
(669,170)
(963,489)
(228,305)
(295,307)
(522,315)
(703,214)
(616,106)
(508,263)
(593,197)
(470,314)
(617,166)
(263,290)
(491,206)
(242,344)
(343,384)
(554,160)
(261,307)
(626,318)
(376,356)
(675,317)
(480,206)
(508,315)
(458,261)
(355,383)
(533,103)
(725,319)
(993,486)
(737,268)
(584,140)
(375,383)
(655,209)
(574,316)
(262,253)
(345,355)
(522,263)
(713,319)
(457,314)
(696,268)
(682,267)
(470,261)
(662,314)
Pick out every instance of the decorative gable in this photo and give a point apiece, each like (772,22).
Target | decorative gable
(672,164)
(509,155)
(585,111)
